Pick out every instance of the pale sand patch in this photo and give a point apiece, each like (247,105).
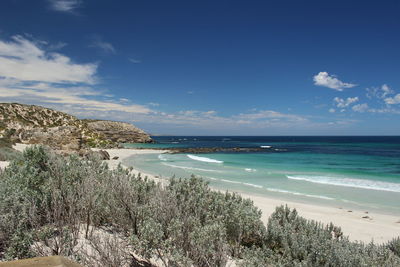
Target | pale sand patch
(4,164)
(378,227)
(20,147)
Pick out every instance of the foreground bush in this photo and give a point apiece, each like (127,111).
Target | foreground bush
(50,205)
(294,241)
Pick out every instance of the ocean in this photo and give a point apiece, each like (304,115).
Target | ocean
(358,171)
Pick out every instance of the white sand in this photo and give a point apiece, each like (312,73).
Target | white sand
(378,227)
(4,164)
(19,147)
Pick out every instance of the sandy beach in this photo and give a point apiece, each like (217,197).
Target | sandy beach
(374,226)
(377,227)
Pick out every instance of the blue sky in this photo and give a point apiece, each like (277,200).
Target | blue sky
(208,67)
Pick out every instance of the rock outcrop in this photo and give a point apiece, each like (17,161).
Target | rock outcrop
(31,124)
(119,132)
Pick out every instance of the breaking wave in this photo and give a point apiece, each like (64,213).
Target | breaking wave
(349,182)
(189,168)
(204,159)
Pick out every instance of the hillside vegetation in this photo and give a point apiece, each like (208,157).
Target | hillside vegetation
(78,208)
(38,125)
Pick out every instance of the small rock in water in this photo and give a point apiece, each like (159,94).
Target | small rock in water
(366,212)
(116,157)
(349,211)
(365,217)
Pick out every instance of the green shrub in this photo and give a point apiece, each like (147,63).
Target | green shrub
(394,245)
(294,241)
(7,153)
(49,204)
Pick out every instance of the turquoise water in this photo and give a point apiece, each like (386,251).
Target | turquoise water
(348,171)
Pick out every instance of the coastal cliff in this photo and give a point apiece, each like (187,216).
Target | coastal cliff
(32,124)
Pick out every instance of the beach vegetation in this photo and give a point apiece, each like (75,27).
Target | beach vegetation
(79,208)
(7,152)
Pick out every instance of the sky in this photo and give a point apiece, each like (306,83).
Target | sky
(208,67)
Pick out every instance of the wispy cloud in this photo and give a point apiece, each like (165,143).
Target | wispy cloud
(379,92)
(65,5)
(343,103)
(24,60)
(30,73)
(386,97)
(393,100)
(103,45)
(134,60)
(330,81)
(360,107)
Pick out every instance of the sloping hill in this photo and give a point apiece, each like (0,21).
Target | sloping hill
(32,124)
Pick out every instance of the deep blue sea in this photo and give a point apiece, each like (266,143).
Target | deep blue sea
(361,172)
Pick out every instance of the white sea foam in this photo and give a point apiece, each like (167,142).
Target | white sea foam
(189,168)
(349,182)
(265,146)
(253,185)
(162,157)
(229,181)
(272,189)
(250,170)
(237,182)
(298,194)
(204,159)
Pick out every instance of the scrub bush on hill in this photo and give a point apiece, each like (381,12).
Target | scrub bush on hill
(51,205)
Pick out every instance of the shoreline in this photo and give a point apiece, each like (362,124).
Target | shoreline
(376,227)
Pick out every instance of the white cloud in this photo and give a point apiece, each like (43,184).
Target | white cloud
(332,110)
(65,5)
(386,90)
(269,115)
(23,60)
(379,92)
(326,80)
(343,103)
(30,73)
(360,107)
(154,104)
(393,100)
(105,46)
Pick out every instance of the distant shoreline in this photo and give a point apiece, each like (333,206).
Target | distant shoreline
(377,227)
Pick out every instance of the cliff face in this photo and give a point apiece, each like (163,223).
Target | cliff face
(119,132)
(38,125)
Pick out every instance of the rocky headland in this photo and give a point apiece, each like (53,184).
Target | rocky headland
(30,124)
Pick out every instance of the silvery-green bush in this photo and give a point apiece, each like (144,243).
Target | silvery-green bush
(294,241)
(47,201)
